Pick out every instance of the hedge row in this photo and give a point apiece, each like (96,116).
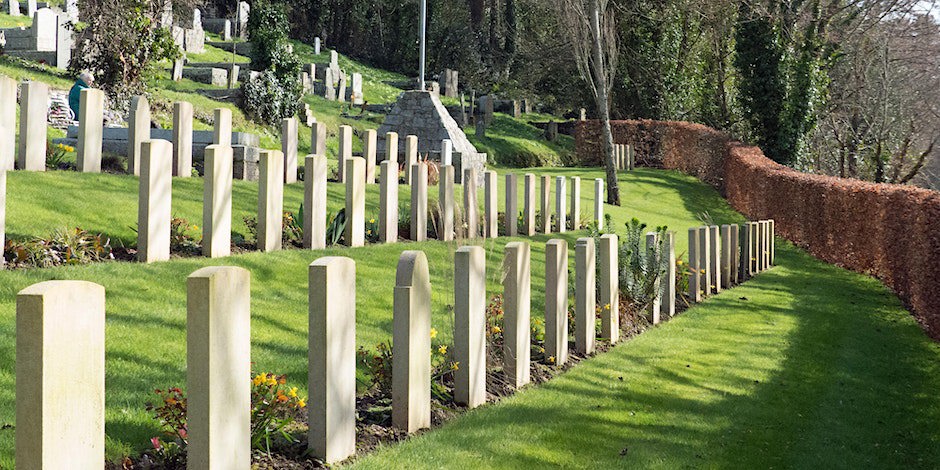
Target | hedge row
(889,231)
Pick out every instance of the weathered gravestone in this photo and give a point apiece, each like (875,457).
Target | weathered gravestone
(155,201)
(289,128)
(528,206)
(585,296)
(217,202)
(575,211)
(556,301)
(446,201)
(545,207)
(60,340)
(34,104)
(419,202)
(470,202)
(609,287)
(695,277)
(90,131)
(183,139)
(490,214)
(652,243)
(512,206)
(388,202)
(355,201)
(411,344)
(470,326)
(345,151)
(7,123)
(369,153)
(218,363)
(270,200)
(517,313)
(561,219)
(315,202)
(599,202)
(331,352)
(138,131)
(668,306)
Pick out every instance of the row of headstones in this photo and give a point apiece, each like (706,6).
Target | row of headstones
(61,346)
(720,257)
(31,155)
(624,157)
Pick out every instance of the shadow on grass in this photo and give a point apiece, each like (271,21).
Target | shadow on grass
(805,366)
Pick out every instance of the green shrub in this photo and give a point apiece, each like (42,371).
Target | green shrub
(268,99)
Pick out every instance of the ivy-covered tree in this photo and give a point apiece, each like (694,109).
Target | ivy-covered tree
(275,93)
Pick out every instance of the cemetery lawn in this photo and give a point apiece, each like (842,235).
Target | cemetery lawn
(816,366)
(146,304)
(805,366)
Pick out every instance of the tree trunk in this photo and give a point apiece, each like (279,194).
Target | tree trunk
(602,101)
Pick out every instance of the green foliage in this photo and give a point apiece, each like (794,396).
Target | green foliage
(336,228)
(378,366)
(181,239)
(273,407)
(783,79)
(63,247)
(121,43)
(268,99)
(274,94)
(641,266)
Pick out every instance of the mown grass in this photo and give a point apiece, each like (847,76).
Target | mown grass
(146,303)
(805,366)
(516,143)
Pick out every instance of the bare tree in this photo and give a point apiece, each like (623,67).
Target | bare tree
(592,31)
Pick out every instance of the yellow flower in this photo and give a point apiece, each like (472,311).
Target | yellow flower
(371,221)
(369,232)
(293,392)
(551,359)
(301,403)
(258,379)
(455,366)
(496,330)
(541,350)
(271,381)
(442,349)
(679,262)
(607,307)
(433,333)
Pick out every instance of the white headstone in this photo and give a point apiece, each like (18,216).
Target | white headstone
(316,45)
(34,106)
(411,344)
(332,357)
(217,202)
(218,363)
(7,123)
(155,201)
(60,375)
(447,152)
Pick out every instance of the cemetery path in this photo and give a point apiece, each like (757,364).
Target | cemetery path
(806,365)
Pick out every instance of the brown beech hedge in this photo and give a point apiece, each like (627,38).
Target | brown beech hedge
(889,231)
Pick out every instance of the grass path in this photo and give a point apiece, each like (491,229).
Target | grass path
(806,366)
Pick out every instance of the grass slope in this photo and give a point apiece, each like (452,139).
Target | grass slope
(806,366)
(146,303)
